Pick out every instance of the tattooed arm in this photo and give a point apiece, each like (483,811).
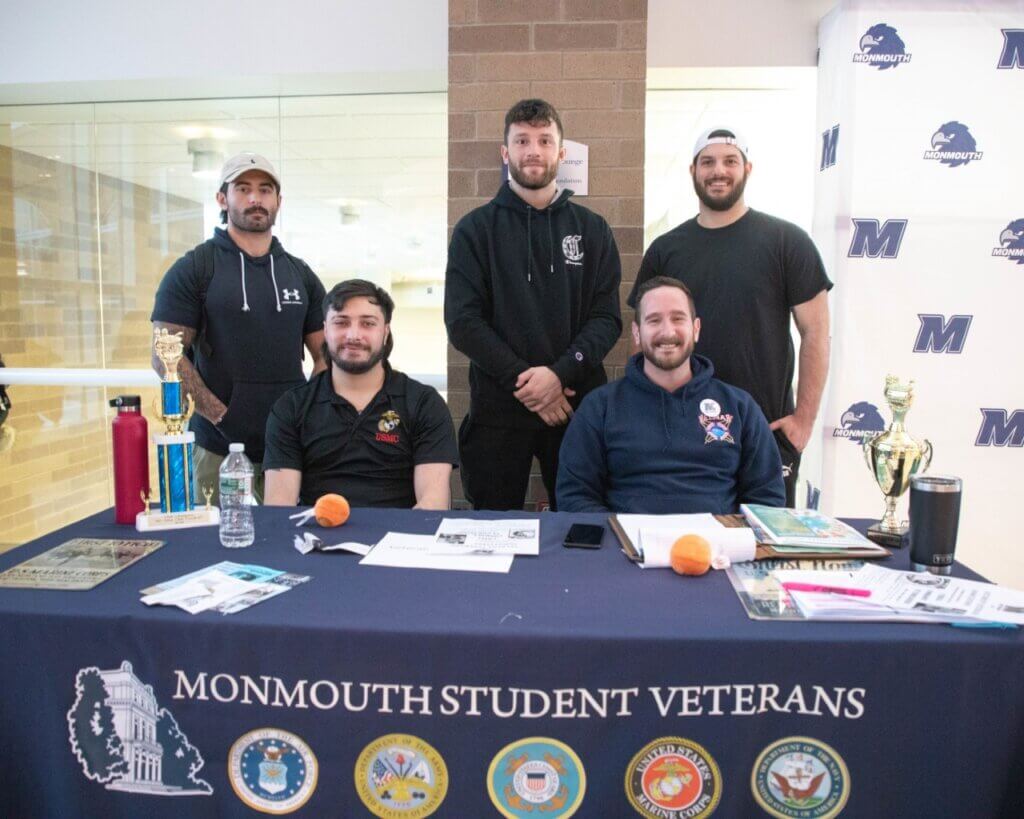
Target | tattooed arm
(207,404)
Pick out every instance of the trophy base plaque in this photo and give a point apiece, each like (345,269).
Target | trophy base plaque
(892,539)
(158,521)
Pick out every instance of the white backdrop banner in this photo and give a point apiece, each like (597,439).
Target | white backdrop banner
(919,215)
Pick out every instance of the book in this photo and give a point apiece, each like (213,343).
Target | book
(79,564)
(789,530)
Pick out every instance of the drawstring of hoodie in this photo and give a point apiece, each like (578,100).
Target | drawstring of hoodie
(273,278)
(551,244)
(664,423)
(245,298)
(529,244)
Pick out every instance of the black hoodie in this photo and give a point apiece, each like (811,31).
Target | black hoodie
(256,313)
(530,287)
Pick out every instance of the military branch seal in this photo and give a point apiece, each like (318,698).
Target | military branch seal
(673,778)
(399,776)
(272,770)
(800,777)
(536,776)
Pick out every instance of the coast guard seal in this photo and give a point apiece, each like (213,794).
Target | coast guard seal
(536,776)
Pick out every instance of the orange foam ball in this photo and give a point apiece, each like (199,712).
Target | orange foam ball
(331,510)
(691,554)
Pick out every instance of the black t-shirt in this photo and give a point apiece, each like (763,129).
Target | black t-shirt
(745,278)
(366,456)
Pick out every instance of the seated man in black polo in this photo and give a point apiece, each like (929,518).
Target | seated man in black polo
(360,428)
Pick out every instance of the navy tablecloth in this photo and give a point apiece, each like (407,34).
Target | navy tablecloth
(927,718)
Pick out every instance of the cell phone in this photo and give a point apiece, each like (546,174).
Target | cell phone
(584,536)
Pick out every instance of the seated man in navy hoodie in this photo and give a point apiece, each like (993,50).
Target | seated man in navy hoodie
(669,437)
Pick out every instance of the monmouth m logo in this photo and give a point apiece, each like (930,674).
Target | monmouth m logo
(999,427)
(875,239)
(953,145)
(882,47)
(1012,55)
(829,145)
(1011,242)
(940,336)
(860,421)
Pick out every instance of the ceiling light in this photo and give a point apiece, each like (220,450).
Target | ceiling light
(207,157)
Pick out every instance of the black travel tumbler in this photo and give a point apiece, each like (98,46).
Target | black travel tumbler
(934,518)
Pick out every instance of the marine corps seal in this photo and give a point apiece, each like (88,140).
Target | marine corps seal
(673,778)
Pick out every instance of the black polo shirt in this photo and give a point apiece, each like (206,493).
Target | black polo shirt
(366,456)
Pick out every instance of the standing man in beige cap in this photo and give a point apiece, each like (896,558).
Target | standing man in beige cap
(245,308)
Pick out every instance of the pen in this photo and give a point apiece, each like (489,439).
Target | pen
(812,587)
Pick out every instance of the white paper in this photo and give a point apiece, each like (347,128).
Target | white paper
(415,552)
(920,595)
(465,536)
(737,545)
(203,592)
(679,524)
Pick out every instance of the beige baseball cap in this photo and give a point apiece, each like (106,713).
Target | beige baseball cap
(722,136)
(244,162)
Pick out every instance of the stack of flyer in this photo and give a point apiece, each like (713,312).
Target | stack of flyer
(225,587)
(807,532)
(870,592)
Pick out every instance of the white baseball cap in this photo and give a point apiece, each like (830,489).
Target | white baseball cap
(245,162)
(722,136)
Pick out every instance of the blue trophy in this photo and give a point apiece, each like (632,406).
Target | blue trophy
(178,508)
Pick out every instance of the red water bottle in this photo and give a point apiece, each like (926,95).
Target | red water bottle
(131,457)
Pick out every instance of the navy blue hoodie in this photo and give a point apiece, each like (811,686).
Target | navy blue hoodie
(528,287)
(635,447)
(256,314)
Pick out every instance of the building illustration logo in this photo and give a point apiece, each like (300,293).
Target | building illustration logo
(124,740)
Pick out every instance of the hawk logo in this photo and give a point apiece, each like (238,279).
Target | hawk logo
(829,143)
(1011,242)
(1012,55)
(882,47)
(290,296)
(1001,428)
(860,421)
(953,145)
(573,249)
(870,238)
(940,336)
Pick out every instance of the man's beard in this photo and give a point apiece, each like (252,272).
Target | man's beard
(356,367)
(722,203)
(677,357)
(244,219)
(550,172)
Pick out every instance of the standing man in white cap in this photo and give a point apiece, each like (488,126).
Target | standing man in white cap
(749,272)
(245,308)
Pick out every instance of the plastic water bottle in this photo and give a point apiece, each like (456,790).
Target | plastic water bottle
(236,474)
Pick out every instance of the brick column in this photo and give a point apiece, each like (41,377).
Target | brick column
(588,58)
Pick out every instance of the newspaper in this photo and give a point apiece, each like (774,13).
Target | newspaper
(78,564)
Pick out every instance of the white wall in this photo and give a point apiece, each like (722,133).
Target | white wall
(699,33)
(65,51)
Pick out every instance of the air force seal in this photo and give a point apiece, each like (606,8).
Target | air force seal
(800,777)
(401,777)
(673,778)
(536,776)
(272,771)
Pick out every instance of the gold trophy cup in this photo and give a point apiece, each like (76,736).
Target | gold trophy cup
(894,457)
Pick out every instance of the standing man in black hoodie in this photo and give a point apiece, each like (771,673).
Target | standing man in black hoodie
(532,298)
(245,307)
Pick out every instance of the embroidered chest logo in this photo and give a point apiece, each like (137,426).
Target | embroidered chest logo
(386,427)
(290,296)
(716,429)
(572,248)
